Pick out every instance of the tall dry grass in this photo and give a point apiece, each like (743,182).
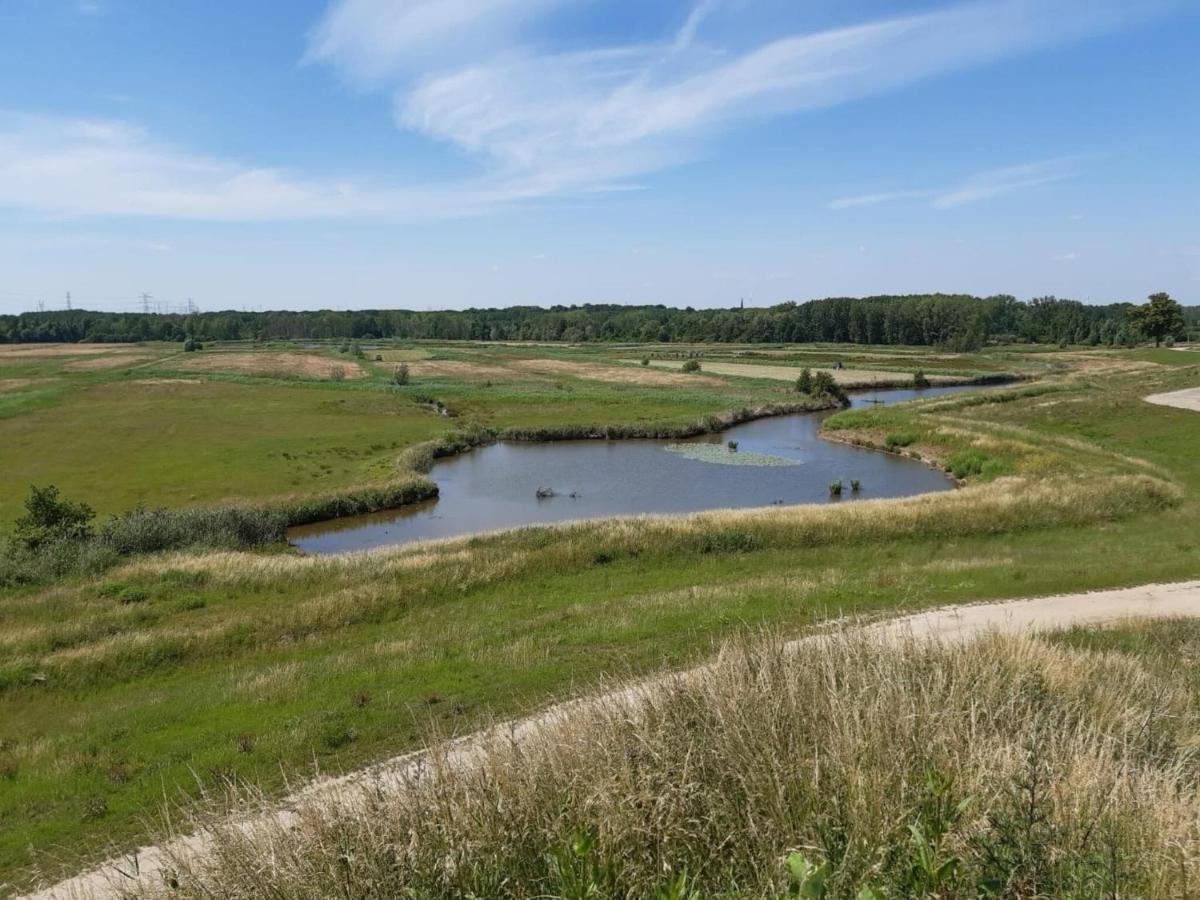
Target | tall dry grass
(1002,767)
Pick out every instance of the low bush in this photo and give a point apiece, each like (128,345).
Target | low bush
(154,530)
(728,540)
(50,518)
(967,463)
(899,439)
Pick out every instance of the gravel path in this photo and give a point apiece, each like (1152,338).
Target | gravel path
(1188,398)
(954,623)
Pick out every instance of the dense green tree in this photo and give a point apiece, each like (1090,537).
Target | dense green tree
(48,517)
(955,321)
(1161,318)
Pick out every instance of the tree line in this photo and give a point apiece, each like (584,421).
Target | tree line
(955,321)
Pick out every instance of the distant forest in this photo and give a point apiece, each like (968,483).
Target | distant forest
(954,321)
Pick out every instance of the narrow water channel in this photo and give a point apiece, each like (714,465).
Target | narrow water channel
(778,460)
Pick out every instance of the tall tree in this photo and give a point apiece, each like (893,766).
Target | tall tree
(1161,318)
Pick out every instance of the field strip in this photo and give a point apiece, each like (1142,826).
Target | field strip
(1188,398)
(146,866)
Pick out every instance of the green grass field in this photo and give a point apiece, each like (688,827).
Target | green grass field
(171,672)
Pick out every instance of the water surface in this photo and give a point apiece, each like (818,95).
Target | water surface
(496,486)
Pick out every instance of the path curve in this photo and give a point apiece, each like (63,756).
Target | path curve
(951,623)
(1188,398)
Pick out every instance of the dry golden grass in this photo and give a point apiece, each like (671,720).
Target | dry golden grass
(15,384)
(302,365)
(848,378)
(455,368)
(1050,772)
(611,374)
(100,363)
(43,350)
(412,354)
(1086,364)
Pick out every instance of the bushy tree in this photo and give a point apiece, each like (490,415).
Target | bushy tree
(804,384)
(825,385)
(1161,318)
(48,517)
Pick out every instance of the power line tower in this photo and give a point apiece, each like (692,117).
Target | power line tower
(146,298)
(68,301)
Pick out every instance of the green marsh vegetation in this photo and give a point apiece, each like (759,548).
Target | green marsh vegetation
(185,668)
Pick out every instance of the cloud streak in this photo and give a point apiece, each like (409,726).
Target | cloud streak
(541,118)
(982,186)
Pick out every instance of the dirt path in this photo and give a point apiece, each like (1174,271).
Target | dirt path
(1188,398)
(953,623)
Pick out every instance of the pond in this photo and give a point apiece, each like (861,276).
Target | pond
(779,460)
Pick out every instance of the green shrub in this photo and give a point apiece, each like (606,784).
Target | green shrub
(804,384)
(899,439)
(835,488)
(400,374)
(728,541)
(153,530)
(48,517)
(919,379)
(825,385)
(966,463)
(691,365)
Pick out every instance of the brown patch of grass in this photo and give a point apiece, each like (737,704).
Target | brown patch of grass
(301,365)
(456,368)
(40,350)
(15,384)
(612,374)
(100,363)
(1083,363)
(847,378)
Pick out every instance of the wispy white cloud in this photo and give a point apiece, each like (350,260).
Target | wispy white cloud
(540,117)
(982,186)
(373,40)
(79,167)
(1069,256)
(569,118)
(876,199)
(1004,181)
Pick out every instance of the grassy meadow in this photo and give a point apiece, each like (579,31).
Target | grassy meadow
(169,674)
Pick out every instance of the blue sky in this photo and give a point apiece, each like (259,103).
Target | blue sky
(448,153)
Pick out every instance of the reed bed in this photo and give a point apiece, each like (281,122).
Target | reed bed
(841,766)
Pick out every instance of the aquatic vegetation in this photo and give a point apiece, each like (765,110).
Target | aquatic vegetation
(716,453)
